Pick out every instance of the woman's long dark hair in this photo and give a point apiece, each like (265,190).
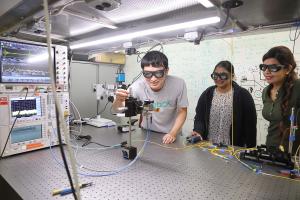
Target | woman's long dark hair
(285,57)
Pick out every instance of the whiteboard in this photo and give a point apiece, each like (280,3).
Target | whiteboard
(194,63)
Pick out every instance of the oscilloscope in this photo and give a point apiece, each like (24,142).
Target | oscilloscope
(24,64)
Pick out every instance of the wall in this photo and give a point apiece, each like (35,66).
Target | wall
(82,77)
(194,63)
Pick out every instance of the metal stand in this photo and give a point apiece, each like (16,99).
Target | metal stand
(129,152)
(292,131)
(129,133)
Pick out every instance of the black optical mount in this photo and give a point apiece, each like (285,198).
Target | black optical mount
(271,155)
(133,107)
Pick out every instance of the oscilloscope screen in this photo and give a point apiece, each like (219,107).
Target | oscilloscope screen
(21,107)
(24,63)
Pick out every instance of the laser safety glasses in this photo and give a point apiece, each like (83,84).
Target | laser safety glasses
(157,74)
(222,76)
(272,68)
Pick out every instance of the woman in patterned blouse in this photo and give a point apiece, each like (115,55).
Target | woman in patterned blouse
(225,112)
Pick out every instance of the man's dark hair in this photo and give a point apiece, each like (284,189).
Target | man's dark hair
(155,59)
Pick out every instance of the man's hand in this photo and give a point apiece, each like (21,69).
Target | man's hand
(121,95)
(169,138)
(180,118)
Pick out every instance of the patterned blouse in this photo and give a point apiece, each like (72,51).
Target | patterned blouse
(220,117)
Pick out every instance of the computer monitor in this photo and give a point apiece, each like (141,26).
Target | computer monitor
(24,63)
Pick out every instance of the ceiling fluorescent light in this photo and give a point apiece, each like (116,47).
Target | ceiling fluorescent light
(152,31)
(206,3)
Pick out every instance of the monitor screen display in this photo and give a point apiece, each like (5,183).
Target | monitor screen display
(24,63)
(21,107)
(27,133)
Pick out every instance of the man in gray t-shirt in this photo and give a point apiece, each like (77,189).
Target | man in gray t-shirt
(168,92)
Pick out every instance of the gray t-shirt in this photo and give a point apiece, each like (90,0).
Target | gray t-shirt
(172,96)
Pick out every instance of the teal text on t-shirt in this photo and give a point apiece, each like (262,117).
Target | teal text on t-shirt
(162,104)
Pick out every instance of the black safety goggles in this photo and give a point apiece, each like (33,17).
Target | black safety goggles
(222,76)
(157,74)
(271,68)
